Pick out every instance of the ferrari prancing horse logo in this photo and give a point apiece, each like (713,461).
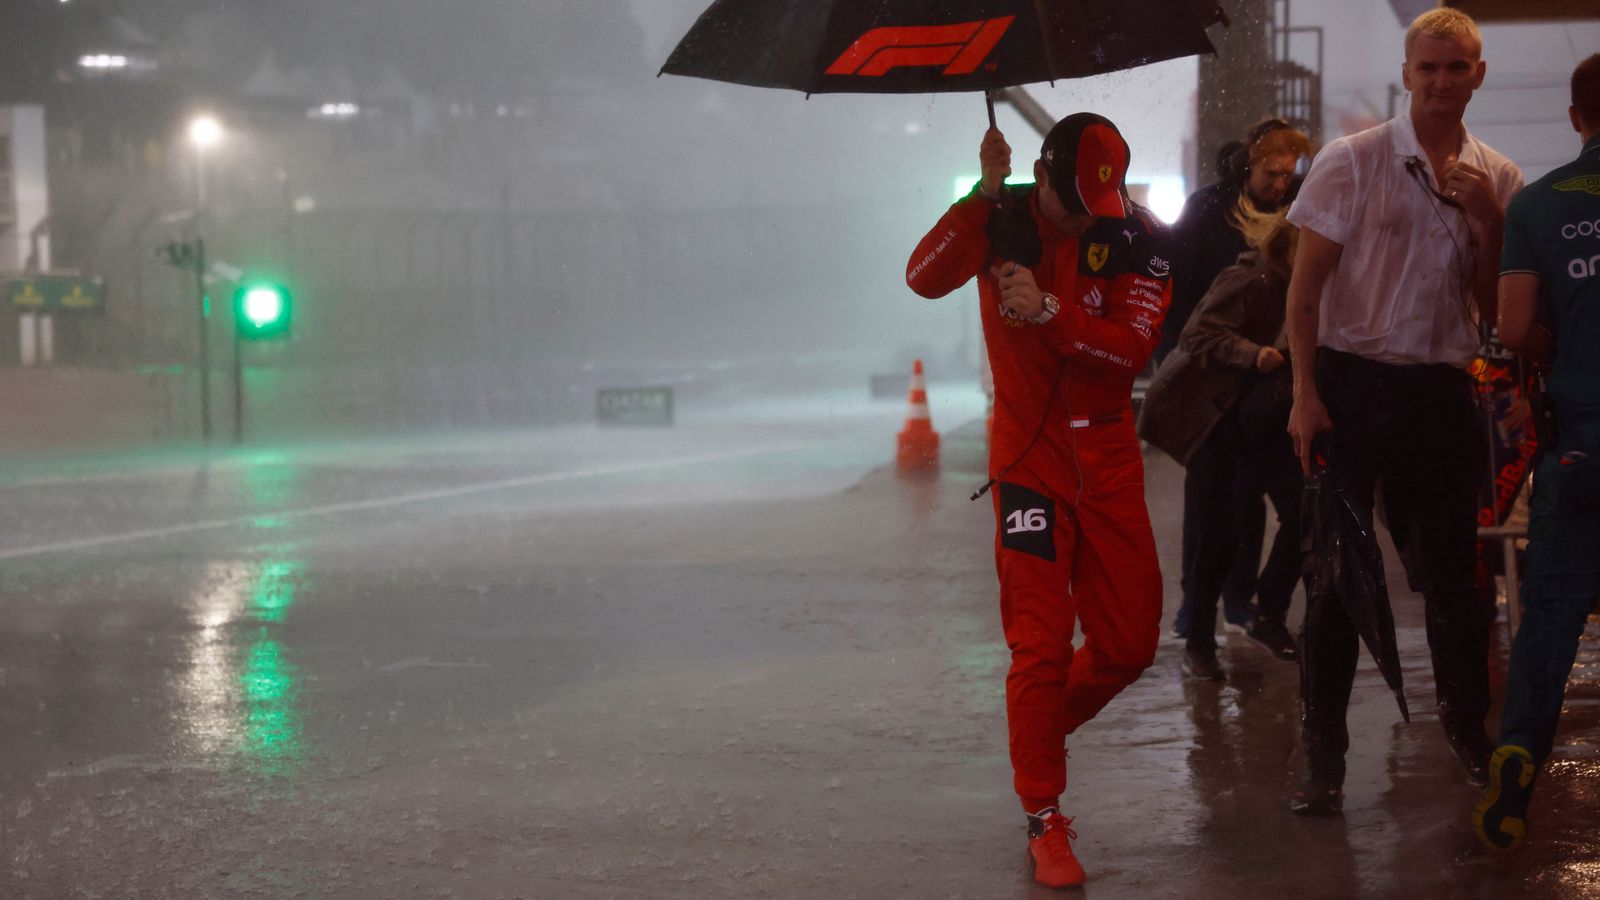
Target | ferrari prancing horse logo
(1097,256)
(959,48)
(1105,174)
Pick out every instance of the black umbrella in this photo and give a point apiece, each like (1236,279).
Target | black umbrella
(1345,562)
(923,46)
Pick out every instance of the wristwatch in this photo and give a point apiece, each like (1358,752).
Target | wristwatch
(992,198)
(1051,307)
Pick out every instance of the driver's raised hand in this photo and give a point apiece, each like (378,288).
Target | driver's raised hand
(994,155)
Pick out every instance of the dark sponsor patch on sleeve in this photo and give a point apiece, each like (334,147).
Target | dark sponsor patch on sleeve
(1135,245)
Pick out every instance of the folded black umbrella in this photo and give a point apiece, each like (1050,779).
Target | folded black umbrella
(921,46)
(1346,562)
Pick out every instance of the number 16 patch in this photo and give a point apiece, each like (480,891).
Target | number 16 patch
(1027,521)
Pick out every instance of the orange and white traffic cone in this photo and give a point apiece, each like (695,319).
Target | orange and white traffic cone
(919,443)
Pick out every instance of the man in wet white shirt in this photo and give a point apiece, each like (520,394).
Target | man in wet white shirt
(1400,234)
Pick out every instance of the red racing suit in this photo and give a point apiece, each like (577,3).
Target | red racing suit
(1072,537)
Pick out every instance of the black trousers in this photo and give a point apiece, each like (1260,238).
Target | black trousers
(1208,512)
(1267,466)
(1250,526)
(1225,469)
(1414,431)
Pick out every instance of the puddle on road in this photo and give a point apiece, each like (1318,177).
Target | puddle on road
(239,698)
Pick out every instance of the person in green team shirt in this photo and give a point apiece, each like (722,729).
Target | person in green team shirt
(1550,311)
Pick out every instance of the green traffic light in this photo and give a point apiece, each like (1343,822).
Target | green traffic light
(262,312)
(262,306)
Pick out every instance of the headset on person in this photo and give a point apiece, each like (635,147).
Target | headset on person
(1238,163)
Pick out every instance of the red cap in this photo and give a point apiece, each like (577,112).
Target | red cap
(1088,164)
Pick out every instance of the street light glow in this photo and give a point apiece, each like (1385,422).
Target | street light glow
(205,131)
(103,61)
(335,111)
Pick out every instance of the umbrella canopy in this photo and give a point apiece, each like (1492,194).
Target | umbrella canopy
(1345,562)
(922,46)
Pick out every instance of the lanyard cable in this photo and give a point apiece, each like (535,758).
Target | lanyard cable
(1060,382)
(1458,259)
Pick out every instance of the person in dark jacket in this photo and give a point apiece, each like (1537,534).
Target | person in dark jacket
(1219,405)
(1549,265)
(1257,176)
(1206,238)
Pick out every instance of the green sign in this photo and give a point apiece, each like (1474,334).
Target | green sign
(56,293)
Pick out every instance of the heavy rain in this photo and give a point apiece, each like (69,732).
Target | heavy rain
(447,450)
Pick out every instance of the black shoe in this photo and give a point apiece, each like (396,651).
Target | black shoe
(1202,665)
(1317,798)
(1472,746)
(1275,637)
(1500,820)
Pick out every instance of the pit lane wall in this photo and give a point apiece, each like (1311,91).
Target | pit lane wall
(68,411)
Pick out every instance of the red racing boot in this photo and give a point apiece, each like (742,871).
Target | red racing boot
(1050,838)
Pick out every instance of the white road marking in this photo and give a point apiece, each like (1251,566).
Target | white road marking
(334,509)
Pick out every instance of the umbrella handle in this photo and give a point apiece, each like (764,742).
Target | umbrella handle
(988,99)
(1319,450)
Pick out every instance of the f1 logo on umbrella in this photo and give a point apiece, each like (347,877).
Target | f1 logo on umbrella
(959,48)
(907,47)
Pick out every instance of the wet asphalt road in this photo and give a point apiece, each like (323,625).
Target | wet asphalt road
(733,659)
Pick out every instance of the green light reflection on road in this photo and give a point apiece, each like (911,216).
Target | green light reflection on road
(272,733)
(272,481)
(274,590)
(272,736)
